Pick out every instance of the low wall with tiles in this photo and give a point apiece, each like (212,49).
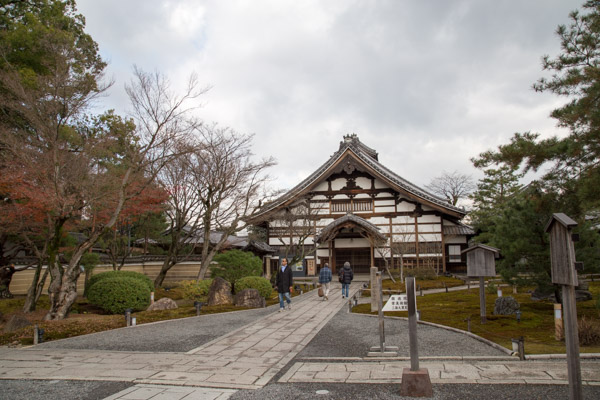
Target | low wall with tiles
(21,280)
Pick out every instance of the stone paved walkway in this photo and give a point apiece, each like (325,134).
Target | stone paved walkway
(250,357)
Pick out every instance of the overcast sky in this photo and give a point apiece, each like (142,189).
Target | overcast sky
(428,84)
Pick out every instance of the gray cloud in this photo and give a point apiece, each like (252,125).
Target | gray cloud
(427,84)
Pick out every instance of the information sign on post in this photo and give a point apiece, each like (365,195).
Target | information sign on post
(562,259)
(397,302)
(481,262)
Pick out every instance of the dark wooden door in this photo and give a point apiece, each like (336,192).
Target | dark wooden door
(359,259)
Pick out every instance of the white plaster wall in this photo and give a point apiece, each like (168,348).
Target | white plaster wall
(384,194)
(385,209)
(338,184)
(341,197)
(403,219)
(430,228)
(347,243)
(363,182)
(404,206)
(429,218)
(385,229)
(320,197)
(380,184)
(362,196)
(276,242)
(385,202)
(429,237)
(322,223)
(404,238)
(403,228)
(322,252)
(379,220)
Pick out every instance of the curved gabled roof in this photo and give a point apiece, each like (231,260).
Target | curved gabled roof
(368,157)
(349,219)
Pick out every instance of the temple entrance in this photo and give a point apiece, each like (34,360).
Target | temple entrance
(359,259)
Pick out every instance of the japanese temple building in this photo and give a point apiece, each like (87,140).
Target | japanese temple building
(352,208)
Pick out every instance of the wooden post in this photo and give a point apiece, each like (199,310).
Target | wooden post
(380,314)
(412,323)
(415,381)
(482,299)
(572,342)
(374,289)
(562,263)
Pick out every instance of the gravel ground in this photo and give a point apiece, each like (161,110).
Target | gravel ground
(72,390)
(392,392)
(167,336)
(352,335)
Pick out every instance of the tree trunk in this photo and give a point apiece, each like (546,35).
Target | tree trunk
(34,289)
(41,285)
(169,262)
(67,295)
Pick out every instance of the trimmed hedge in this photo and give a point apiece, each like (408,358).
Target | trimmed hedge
(255,282)
(117,294)
(194,290)
(120,274)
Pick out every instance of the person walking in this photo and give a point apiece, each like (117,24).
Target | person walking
(285,283)
(325,280)
(346,275)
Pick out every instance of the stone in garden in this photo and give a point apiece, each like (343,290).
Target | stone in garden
(582,295)
(220,293)
(163,304)
(250,298)
(537,295)
(506,306)
(15,323)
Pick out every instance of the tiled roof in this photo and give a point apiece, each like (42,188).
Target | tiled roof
(369,157)
(330,229)
(458,230)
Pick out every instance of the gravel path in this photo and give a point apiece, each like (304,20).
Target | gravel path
(392,392)
(180,335)
(352,335)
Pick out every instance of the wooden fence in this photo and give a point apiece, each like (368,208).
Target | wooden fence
(21,280)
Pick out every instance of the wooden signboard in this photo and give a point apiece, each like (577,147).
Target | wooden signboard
(562,251)
(481,260)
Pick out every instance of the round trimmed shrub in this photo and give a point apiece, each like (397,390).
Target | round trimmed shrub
(195,290)
(121,274)
(117,294)
(254,282)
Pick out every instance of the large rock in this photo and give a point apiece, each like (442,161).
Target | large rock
(250,298)
(506,306)
(163,304)
(538,295)
(220,293)
(15,323)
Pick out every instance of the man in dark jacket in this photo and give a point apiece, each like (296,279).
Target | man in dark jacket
(346,275)
(284,283)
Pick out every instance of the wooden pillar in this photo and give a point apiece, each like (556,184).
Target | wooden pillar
(572,341)
(482,299)
(333,260)
(392,264)
(372,254)
(443,246)
(417,241)
(315,244)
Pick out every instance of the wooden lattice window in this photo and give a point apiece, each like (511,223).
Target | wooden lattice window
(344,206)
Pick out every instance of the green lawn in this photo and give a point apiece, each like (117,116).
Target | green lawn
(536,326)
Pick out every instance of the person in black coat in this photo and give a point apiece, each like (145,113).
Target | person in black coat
(346,275)
(285,283)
